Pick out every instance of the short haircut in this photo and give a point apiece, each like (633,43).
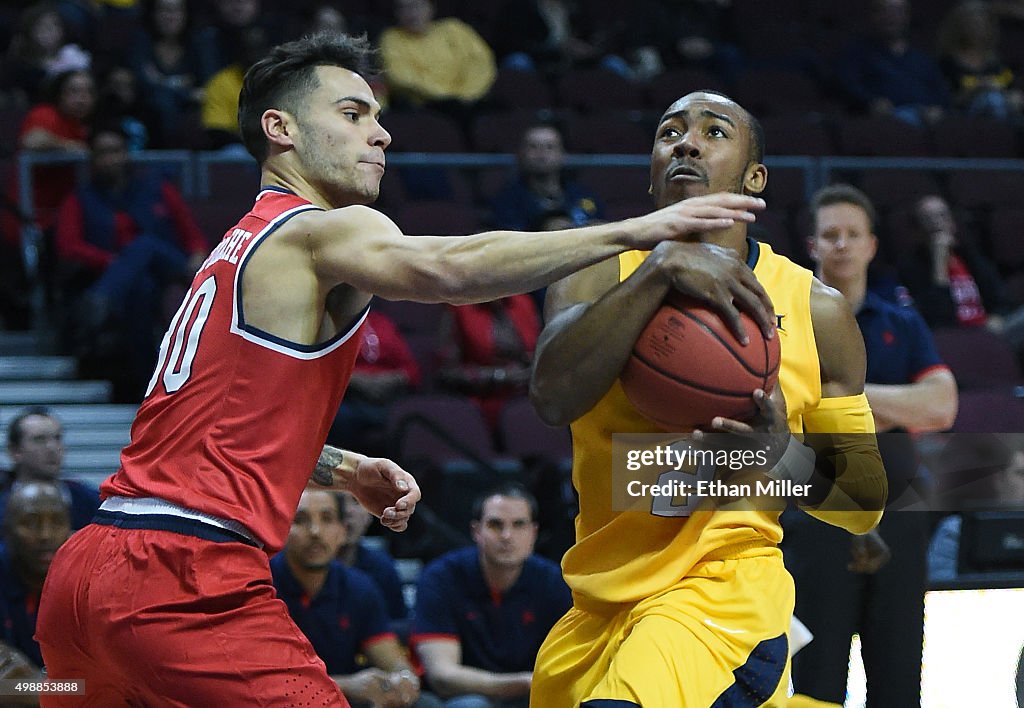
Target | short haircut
(842,194)
(14,432)
(756,129)
(507,489)
(288,73)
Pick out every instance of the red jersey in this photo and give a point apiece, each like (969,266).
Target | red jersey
(234,418)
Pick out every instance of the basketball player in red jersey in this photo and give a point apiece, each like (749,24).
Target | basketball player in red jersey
(166,599)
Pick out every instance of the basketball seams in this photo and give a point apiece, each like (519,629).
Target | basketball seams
(699,387)
(742,362)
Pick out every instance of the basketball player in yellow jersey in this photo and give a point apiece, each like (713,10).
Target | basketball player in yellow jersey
(681,607)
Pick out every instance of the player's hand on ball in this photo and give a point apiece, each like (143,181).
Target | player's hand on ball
(716,276)
(385,490)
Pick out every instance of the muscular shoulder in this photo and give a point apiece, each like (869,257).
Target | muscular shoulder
(583,286)
(840,345)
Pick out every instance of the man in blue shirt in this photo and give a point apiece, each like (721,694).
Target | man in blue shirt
(340,610)
(841,584)
(541,185)
(36,523)
(482,612)
(35,444)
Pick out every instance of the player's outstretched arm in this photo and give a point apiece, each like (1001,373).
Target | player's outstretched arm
(594,320)
(378,484)
(363,248)
(859,487)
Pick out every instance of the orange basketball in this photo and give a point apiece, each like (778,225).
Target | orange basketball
(687,367)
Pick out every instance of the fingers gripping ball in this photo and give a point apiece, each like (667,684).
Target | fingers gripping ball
(687,367)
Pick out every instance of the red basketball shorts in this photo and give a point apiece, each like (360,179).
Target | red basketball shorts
(158,618)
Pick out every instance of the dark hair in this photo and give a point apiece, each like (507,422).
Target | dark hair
(55,85)
(507,489)
(288,72)
(843,194)
(14,431)
(756,129)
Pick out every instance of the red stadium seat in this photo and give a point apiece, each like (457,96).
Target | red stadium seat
(520,89)
(796,135)
(964,136)
(616,184)
(437,218)
(898,187)
(592,90)
(603,133)
(986,188)
(990,411)
(676,83)
(527,437)
(882,136)
(978,358)
(423,131)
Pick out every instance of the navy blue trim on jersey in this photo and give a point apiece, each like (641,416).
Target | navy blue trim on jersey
(757,680)
(169,522)
(267,336)
(609,703)
(753,252)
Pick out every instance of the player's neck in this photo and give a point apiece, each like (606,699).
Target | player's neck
(500,578)
(734,239)
(311,579)
(293,181)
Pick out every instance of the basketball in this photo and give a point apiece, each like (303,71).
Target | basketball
(687,367)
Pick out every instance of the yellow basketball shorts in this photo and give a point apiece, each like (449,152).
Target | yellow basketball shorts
(716,639)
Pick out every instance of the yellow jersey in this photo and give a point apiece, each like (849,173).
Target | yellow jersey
(623,556)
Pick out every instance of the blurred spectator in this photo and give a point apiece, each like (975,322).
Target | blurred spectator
(846,584)
(482,612)
(553,36)
(58,125)
(121,104)
(219,114)
(442,64)
(953,283)
(487,351)
(35,526)
(981,456)
(166,62)
(969,57)
(340,611)
(691,34)
(124,237)
(542,185)
(39,51)
(384,371)
(218,40)
(883,74)
(357,553)
(35,444)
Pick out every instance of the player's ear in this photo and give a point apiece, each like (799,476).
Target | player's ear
(277,125)
(756,178)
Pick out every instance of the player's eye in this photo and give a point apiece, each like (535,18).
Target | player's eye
(352,116)
(669,133)
(716,131)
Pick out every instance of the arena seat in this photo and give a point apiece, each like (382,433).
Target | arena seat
(978,358)
(964,136)
(592,90)
(441,218)
(990,411)
(526,436)
(607,133)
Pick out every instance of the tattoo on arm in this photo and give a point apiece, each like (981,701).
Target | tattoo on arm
(323,473)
